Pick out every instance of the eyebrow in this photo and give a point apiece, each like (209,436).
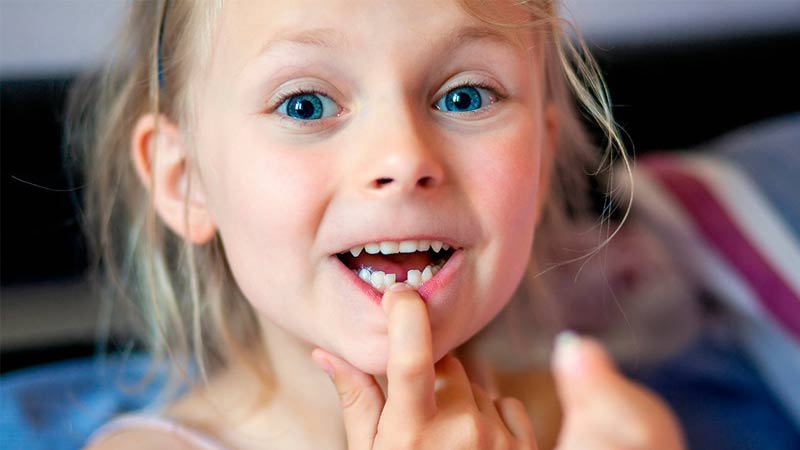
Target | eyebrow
(463,35)
(331,38)
(316,37)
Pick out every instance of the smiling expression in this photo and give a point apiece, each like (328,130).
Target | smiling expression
(330,126)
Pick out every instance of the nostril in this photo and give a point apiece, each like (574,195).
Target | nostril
(425,181)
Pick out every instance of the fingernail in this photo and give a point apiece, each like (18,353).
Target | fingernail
(323,364)
(399,286)
(567,352)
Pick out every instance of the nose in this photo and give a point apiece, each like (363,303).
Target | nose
(401,157)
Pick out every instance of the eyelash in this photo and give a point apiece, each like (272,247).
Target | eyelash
(273,106)
(476,84)
(291,93)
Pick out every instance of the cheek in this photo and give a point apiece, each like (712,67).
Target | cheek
(503,182)
(267,206)
(506,181)
(276,192)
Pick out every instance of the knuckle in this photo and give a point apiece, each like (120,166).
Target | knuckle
(501,441)
(409,365)
(641,437)
(390,439)
(350,397)
(471,430)
(411,442)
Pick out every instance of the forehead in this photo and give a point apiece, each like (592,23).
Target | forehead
(250,28)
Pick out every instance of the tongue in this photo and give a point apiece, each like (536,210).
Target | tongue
(398,264)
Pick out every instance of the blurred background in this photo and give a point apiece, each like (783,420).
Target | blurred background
(679,72)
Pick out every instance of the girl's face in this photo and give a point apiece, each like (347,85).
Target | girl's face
(327,125)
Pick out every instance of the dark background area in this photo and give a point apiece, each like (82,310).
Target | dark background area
(666,96)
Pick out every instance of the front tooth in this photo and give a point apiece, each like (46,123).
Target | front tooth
(436,246)
(423,246)
(355,251)
(389,279)
(377,279)
(364,274)
(427,274)
(413,277)
(372,248)
(389,248)
(408,246)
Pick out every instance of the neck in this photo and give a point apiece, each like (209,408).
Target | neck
(303,388)
(304,399)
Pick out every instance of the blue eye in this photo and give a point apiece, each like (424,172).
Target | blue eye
(463,99)
(308,106)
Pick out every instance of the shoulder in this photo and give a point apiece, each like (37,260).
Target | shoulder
(192,422)
(140,438)
(139,431)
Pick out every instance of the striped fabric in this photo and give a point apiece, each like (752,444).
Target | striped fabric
(732,211)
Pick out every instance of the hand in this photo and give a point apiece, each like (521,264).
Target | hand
(602,409)
(426,406)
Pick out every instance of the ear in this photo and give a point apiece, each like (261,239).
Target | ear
(159,156)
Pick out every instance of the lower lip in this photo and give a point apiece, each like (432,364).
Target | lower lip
(427,291)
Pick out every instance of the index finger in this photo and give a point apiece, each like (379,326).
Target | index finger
(410,372)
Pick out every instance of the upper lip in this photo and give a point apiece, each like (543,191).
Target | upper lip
(453,243)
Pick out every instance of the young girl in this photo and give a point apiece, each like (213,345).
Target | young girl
(353,186)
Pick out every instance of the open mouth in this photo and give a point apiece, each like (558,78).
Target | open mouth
(381,264)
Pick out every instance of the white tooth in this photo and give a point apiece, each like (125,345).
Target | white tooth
(427,274)
(446,247)
(423,246)
(389,248)
(412,277)
(377,279)
(364,274)
(372,248)
(436,246)
(355,251)
(408,246)
(389,279)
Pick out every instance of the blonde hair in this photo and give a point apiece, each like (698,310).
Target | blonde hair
(188,305)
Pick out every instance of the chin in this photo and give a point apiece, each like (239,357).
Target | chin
(374,360)
(373,364)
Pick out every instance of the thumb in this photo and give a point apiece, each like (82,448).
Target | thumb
(583,370)
(597,398)
(361,398)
